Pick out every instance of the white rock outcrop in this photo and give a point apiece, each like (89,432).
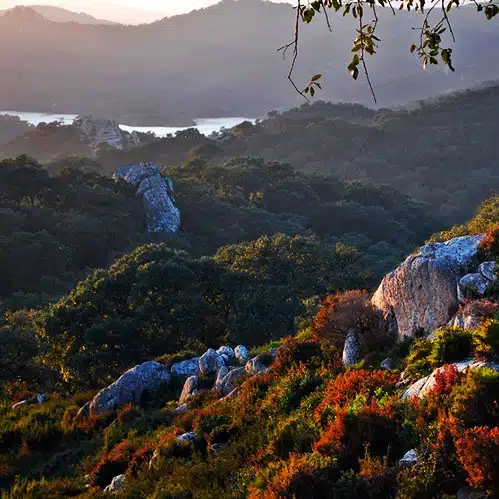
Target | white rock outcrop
(210,362)
(189,390)
(422,293)
(117,483)
(131,387)
(351,349)
(157,195)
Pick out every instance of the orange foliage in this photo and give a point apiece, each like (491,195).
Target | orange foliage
(293,350)
(490,243)
(343,312)
(478,452)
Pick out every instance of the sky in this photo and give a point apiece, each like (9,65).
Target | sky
(121,10)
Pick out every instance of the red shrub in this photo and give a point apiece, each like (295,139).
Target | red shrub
(126,414)
(347,311)
(478,452)
(112,464)
(490,243)
(345,387)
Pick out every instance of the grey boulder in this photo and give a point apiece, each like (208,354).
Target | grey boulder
(351,349)
(143,379)
(116,485)
(210,362)
(225,350)
(421,294)
(185,368)
(255,366)
(189,390)
(228,383)
(241,353)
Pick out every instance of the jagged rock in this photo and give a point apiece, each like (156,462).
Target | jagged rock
(470,493)
(423,386)
(210,362)
(465,321)
(410,458)
(216,447)
(186,368)
(181,409)
(19,404)
(143,379)
(421,294)
(489,270)
(387,364)
(225,350)
(255,366)
(351,349)
(241,353)
(473,286)
(190,389)
(116,485)
(157,196)
(222,372)
(189,437)
(99,131)
(228,383)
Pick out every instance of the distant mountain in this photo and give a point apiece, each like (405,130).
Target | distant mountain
(60,15)
(220,61)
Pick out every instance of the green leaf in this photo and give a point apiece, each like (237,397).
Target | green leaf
(316,77)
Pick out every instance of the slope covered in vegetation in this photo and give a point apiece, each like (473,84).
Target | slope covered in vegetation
(306,427)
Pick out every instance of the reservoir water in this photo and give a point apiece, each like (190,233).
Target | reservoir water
(204,125)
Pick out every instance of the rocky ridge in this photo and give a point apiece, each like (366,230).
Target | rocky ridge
(157,195)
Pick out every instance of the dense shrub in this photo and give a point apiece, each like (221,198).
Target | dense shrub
(294,351)
(451,346)
(478,451)
(351,311)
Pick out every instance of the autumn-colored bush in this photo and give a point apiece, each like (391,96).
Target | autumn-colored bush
(490,243)
(350,311)
(350,385)
(303,475)
(478,452)
(112,464)
(126,414)
(480,308)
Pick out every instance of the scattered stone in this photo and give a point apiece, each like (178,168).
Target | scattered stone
(351,350)
(228,383)
(186,368)
(470,493)
(19,404)
(255,366)
(210,362)
(410,458)
(489,270)
(40,398)
(423,386)
(144,379)
(116,485)
(157,196)
(241,353)
(222,372)
(465,321)
(473,286)
(225,350)
(421,294)
(216,447)
(387,364)
(181,409)
(189,437)
(189,390)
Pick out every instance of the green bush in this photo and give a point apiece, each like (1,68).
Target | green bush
(451,345)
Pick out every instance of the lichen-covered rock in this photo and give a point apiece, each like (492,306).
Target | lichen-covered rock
(210,362)
(225,350)
(423,386)
(465,321)
(117,483)
(189,437)
(228,383)
(222,372)
(186,368)
(98,131)
(489,270)
(387,364)
(255,366)
(410,458)
(157,195)
(351,349)
(421,294)
(143,379)
(241,353)
(473,285)
(190,388)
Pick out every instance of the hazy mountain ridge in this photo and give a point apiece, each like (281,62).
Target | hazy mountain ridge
(58,14)
(181,67)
